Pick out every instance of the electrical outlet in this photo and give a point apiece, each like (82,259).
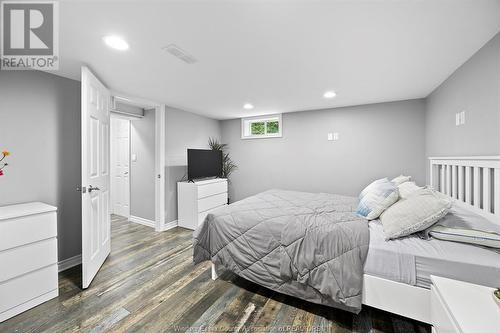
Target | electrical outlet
(462,117)
(335,136)
(330,136)
(457,119)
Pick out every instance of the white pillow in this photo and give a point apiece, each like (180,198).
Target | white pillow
(407,188)
(377,197)
(418,212)
(401,179)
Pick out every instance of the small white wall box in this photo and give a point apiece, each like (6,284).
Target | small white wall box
(333,136)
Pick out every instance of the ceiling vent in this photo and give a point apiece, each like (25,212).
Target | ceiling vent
(180,53)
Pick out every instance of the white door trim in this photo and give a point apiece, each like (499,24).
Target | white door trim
(159,152)
(160,167)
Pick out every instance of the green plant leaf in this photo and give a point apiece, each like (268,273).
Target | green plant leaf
(228,165)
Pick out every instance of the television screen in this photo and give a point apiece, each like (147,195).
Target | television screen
(204,163)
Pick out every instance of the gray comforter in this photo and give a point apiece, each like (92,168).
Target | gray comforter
(308,245)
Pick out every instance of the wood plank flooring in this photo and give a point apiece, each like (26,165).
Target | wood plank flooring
(149,284)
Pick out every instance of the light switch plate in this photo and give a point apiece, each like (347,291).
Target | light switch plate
(457,119)
(330,136)
(335,136)
(134,158)
(462,117)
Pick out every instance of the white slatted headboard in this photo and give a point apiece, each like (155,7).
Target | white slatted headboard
(473,181)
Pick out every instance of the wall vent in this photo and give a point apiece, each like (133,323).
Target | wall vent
(180,53)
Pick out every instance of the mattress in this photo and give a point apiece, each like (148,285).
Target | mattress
(413,260)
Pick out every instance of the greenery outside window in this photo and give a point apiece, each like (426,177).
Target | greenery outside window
(269,126)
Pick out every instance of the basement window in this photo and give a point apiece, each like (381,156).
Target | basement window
(269,126)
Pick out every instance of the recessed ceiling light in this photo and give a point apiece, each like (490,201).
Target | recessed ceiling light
(330,94)
(248,106)
(116,42)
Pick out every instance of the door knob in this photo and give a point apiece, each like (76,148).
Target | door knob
(93,188)
(126,173)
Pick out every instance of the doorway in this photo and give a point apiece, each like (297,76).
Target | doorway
(120,166)
(132,160)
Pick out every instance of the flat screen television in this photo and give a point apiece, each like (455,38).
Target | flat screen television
(203,163)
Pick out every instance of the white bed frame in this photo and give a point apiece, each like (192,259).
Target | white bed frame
(474,183)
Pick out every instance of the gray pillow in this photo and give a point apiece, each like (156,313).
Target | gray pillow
(415,213)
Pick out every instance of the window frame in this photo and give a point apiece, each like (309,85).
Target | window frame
(264,118)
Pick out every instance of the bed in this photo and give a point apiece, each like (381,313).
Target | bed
(399,268)
(412,260)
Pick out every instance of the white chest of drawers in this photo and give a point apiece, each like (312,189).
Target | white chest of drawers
(28,257)
(196,200)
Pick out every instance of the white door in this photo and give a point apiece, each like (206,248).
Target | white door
(120,167)
(96,227)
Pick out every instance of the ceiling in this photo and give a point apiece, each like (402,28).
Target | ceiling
(280,56)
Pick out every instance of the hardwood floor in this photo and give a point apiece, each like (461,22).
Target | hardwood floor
(149,284)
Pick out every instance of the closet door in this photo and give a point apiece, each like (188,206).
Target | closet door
(120,166)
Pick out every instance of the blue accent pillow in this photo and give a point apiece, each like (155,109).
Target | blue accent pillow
(377,197)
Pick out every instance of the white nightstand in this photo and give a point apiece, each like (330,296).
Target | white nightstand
(458,306)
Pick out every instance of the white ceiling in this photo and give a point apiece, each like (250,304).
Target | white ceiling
(280,56)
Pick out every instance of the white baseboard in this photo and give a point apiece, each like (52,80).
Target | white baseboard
(143,221)
(69,262)
(169,225)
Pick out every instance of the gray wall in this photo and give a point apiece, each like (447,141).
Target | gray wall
(475,88)
(142,171)
(183,130)
(40,124)
(376,140)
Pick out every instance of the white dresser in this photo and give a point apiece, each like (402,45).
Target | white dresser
(28,257)
(196,200)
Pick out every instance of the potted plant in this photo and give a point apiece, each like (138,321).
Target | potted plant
(3,164)
(228,165)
